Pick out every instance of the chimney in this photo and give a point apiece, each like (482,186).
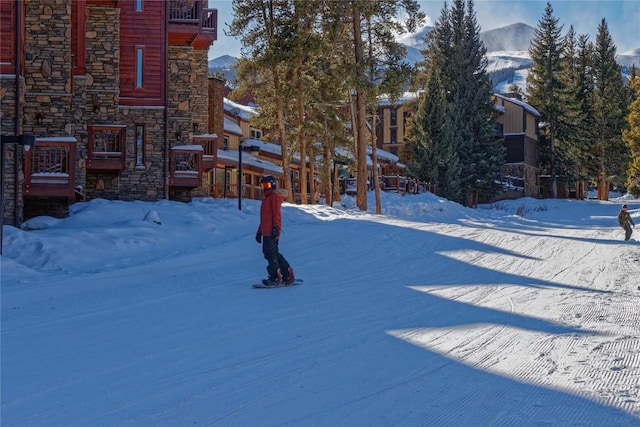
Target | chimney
(216,108)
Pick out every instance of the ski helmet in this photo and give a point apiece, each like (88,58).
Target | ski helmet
(268,182)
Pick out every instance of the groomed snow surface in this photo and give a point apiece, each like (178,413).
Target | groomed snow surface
(523,312)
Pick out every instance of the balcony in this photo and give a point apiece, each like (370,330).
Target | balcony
(185,168)
(192,24)
(49,168)
(209,143)
(106,151)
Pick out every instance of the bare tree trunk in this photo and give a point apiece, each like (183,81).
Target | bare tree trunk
(554,178)
(283,136)
(374,124)
(326,165)
(374,160)
(361,126)
(302,139)
(336,186)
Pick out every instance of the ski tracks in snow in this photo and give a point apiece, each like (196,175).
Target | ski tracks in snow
(593,289)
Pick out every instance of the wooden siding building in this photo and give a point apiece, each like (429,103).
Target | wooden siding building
(517,123)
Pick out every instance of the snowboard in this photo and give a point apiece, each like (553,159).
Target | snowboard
(262,286)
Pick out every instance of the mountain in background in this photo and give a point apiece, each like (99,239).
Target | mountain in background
(223,65)
(508,57)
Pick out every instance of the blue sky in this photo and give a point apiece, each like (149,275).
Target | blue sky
(623,18)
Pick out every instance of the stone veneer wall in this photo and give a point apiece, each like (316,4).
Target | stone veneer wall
(13,175)
(187,104)
(199,95)
(47,85)
(47,67)
(12,204)
(200,107)
(8,103)
(100,92)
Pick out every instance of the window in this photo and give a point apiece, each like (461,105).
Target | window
(139,145)
(394,116)
(256,134)
(139,66)
(393,135)
(138,5)
(225,143)
(78,42)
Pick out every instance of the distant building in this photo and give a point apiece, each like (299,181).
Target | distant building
(517,123)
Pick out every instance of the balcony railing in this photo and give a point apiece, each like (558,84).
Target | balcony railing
(193,12)
(106,148)
(186,166)
(49,169)
(209,144)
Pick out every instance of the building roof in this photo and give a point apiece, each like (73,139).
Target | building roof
(523,104)
(232,127)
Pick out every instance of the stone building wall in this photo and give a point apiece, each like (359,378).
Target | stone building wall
(8,100)
(47,105)
(13,174)
(13,202)
(69,104)
(199,95)
(187,104)
(47,67)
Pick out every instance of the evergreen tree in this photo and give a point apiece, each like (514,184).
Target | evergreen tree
(544,84)
(266,30)
(586,168)
(610,103)
(452,137)
(568,117)
(429,144)
(631,136)
(481,153)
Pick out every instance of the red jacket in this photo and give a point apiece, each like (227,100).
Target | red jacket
(270,213)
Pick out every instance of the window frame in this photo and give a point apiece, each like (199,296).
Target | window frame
(139,67)
(139,147)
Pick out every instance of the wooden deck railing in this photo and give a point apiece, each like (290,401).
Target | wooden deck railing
(209,144)
(186,166)
(106,148)
(49,169)
(192,11)
(395,183)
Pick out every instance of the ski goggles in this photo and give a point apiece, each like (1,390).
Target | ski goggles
(267,185)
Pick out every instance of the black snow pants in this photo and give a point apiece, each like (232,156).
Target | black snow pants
(274,257)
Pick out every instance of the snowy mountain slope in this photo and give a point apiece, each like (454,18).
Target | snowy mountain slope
(507,54)
(514,37)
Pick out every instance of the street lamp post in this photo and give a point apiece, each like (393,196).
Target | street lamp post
(26,141)
(240,176)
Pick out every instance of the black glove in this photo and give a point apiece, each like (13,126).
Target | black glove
(275,232)
(258,237)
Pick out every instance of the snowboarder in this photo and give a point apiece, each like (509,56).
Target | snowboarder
(269,233)
(625,221)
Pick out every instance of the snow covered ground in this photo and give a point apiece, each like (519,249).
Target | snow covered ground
(523,312)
